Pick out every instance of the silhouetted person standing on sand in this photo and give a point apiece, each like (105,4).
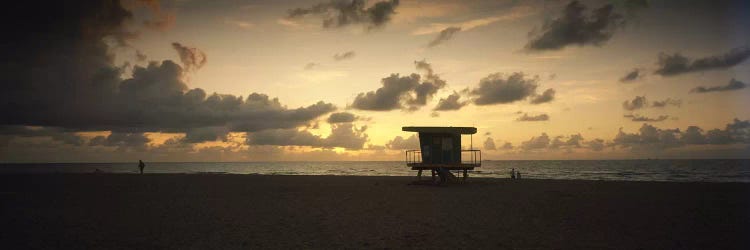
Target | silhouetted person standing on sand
(141,165)
(512,173)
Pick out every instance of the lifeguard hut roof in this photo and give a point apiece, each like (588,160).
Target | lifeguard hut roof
(446,130)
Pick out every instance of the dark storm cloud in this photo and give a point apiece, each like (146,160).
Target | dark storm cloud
(191,58)
(344,135)
(675,64)
(445,35)
(407,92)
(452,102)
(56,134)
(631,76)
(547,96)
(341,117)
(339,13)
(123,141)
(82,89)
(733,85)
(498,89)
(534,118)
(640,118)
(489,144)
(575,27)
(204,134)
(344,56)
(638,102)
(399,143)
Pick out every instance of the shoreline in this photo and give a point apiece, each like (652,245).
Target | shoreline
(413,177)
(303,211)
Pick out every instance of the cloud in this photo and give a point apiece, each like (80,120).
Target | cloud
(341,117)
(526,118)
(507,146)
(56,134)
(638,102)
(497,89)
(399,143)
(140,57)
(191,58)
(565,142)
(160,20)
(733,85)
(452,102)
(204,134)
(310,66)
(596,145)
(547,96)
(80,65)
(445,35)
(631,76)
(693,135)
(675,64)
(489,144)
(344,135)
(640,118)
(535,143)
(340,13)
(410,92)
(666,102)
(650,138)
(344,56)
(122,140)
(156,99)
(389,97)
(574,27)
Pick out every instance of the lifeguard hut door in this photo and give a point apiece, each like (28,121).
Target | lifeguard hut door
(440,148)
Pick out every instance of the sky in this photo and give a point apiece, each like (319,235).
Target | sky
(188,80)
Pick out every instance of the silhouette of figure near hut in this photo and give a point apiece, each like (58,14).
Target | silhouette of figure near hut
(440,152)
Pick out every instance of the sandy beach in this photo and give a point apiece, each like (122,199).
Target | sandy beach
(250,211)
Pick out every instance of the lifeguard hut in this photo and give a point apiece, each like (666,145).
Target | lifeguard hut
(440,152)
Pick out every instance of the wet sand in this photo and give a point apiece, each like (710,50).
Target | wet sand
(246,211)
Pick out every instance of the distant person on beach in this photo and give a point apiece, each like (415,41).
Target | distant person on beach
(512,173)
(141,165)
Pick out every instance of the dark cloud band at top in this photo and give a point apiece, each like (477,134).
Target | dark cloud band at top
(574,27)
(339,13)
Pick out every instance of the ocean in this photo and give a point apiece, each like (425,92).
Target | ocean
(724,170)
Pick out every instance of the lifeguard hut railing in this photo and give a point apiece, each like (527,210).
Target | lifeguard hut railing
(468,156)
(474,156)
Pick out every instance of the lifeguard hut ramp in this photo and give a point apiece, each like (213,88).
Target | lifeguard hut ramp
(440,151)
